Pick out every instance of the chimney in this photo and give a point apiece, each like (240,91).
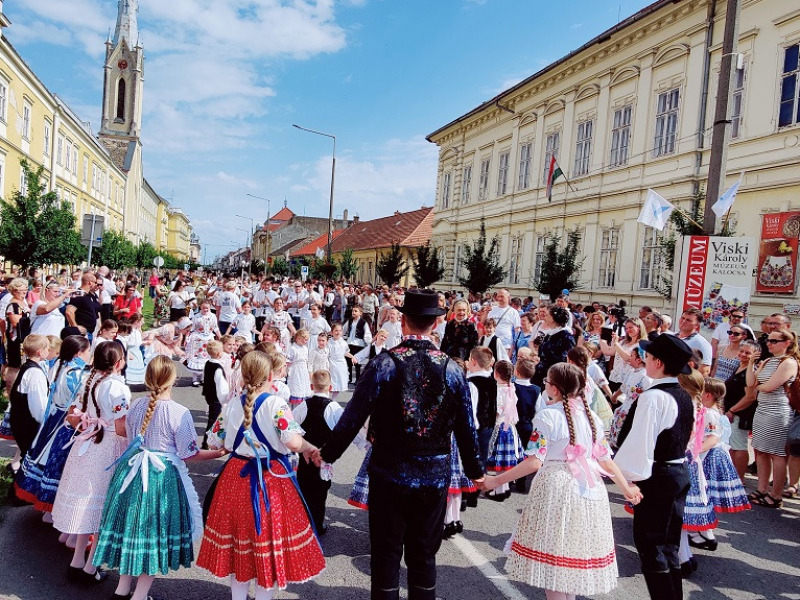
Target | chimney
(355,219)
(345,214)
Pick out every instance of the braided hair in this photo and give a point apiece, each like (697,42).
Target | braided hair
(570,382)
(256,371)
(106,356)
(580,357)
(159,377)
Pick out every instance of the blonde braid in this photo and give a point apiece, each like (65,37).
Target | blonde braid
(86,388)
(589,416)
(249,404)
(151,409)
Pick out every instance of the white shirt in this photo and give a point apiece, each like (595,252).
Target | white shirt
(220,382)
(656,412)
(507,322)
(274,418)
(47,324)
(34,383)
(228,306)
(362,357)
(701,344)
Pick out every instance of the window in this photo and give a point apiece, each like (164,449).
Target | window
(502,174)
(74,160)
(583,147)
(789,108)
(26,121)
(85,170)
(621,136)
(121,101)
(446,190)
(524,166)
(60,151)
(2,172)
(466,183)
(551,148)
(483,185)
(738,97)
(666,123)
(515,264)
(541,245)
(3,100)
(68,161)
(457,261)
(652,260)
(608,258)
(23,183)
(46,150)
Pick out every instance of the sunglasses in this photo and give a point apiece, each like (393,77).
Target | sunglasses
(546,381)
(732,333)
(772,341)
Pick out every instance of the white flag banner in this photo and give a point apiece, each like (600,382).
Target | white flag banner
(320,253)
(725,201)
(656,211)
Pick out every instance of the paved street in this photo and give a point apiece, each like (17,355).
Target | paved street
(758,555)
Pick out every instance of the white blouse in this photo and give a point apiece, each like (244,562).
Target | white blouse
(274,418)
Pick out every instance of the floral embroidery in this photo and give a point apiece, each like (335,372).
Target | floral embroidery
(117,408)
(537,445)
(283,424)
(193,446)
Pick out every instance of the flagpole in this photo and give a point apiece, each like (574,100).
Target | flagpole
(688,218)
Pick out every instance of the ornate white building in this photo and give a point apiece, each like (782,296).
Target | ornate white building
(629,110)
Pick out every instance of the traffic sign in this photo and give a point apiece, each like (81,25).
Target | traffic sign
(304,272)
(92,230)
(158,261)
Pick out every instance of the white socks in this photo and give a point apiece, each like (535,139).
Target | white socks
(551,595)
(240,589)
(263,593)
(684,551)
(453,511)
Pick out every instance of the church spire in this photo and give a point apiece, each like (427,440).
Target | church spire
(127,27)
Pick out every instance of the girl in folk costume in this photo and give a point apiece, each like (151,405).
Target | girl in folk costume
(698,513)
(564,541)
(235,384)
(318,356)
(99,418)
(339,351)
(505,449)
(38,479)
(204,329)
(394,329)
(299,381)
(282,320)
(316,325)
(134,369)
(152,513)
(166,340)
(258,527)
(635,383)
(279,387)
(245,323)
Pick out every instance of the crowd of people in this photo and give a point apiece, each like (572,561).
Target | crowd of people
(456,400)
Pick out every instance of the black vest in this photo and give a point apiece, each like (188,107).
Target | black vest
(671,443)
(359,329)
(527,395)
(23,425)
(487,400)
(315,426)
(209,387)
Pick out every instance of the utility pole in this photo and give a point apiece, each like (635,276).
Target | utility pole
(721,132)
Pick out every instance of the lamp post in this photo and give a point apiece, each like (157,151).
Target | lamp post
(247,245)
(333,176)
(269,233)
(250,239)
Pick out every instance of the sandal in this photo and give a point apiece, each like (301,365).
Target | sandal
(790,492)
(768,501)
(755,496)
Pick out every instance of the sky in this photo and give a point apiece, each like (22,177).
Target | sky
(225,81)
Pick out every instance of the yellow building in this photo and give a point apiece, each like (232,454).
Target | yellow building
(179,231)
(629,110)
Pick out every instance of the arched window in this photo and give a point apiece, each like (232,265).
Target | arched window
(121,100)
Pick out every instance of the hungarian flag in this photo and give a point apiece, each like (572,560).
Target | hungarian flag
(553,173)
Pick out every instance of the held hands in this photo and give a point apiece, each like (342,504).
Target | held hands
(632,493)
(486,484)
(313,455)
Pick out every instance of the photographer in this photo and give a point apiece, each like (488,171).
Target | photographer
(620,348)
(46,319)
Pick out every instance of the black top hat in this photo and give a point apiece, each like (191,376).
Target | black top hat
(421,303)
(672,351)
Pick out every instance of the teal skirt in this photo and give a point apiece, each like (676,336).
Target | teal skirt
(148,532)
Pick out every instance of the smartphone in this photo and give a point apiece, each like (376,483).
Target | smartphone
(606,334)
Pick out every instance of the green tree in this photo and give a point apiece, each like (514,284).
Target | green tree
(428,269)
(280,266)
(560,266)
(391,267)
(59,240)
(323,269)
(348,266)
(482,264)
(116,252)
(144,253)
(19,219)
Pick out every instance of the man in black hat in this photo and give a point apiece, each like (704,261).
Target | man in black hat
(415,397)
(652,453)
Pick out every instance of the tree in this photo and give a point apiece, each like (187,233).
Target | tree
(481,264)
(428,269)
(143,255)
(117,251)
(560,267)
(392,267)
(280,266)
(348,266)
(323,269)
(682,227)
(38,229)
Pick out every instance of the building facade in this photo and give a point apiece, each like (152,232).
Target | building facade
(630,110)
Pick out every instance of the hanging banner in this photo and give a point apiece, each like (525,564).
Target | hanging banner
(777,253)
(716,276)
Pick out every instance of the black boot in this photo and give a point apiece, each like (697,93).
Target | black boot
(677,584)
(660,585)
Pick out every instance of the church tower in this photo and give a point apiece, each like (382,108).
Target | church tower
(123,86)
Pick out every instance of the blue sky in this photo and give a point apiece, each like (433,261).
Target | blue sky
(224,81)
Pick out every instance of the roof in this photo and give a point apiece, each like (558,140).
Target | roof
(600,39)
(405,229)
(279,219)
(311,247)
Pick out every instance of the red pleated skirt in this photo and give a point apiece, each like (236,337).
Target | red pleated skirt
(286,551)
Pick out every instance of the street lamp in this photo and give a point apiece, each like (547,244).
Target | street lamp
(333,176)
(267,224)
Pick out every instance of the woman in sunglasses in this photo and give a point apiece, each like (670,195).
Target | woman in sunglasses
(771,421)
(728,358)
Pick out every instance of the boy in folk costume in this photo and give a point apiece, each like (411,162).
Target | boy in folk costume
(652,447)
(215,384)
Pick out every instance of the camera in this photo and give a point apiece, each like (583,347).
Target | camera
(619,313)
